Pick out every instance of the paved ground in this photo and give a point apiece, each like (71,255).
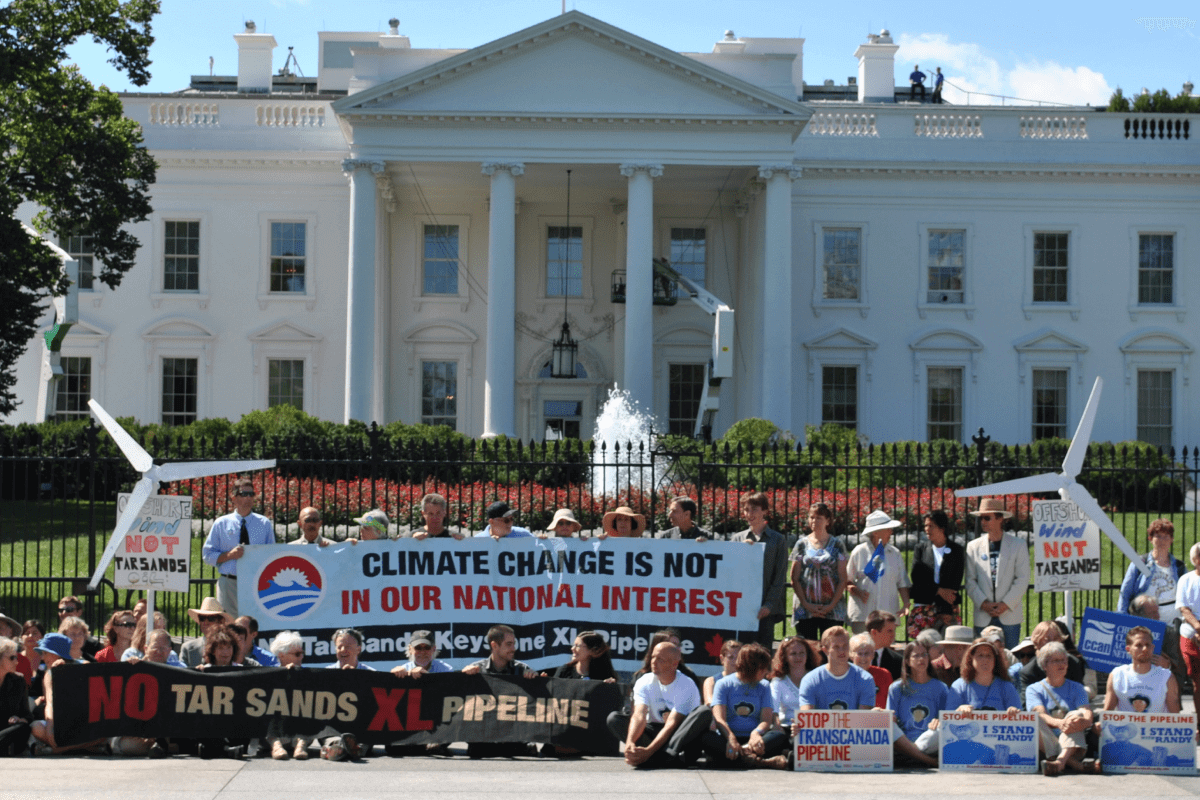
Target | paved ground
(185,778)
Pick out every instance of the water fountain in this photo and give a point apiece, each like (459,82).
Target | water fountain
(624,439)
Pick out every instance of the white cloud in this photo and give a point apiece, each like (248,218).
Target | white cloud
(973,74)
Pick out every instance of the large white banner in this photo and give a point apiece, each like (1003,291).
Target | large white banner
(546,589)
(157,552)
(1066,548)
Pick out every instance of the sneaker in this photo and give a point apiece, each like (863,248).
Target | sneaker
(353,750)
(157,751)
(278,751)
(301,752)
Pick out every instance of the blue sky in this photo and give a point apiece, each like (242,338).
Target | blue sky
(1049,51)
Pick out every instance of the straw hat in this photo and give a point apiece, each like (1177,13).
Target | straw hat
(879,520)
(569,516)
(14,626)
(639,521)
(958,634)
(209,606)
(992,505)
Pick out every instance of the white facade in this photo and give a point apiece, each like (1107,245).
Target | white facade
(1063,247)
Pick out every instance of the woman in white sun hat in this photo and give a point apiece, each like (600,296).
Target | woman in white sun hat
(875,569)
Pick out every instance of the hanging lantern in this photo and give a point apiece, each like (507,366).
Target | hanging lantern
(563,351)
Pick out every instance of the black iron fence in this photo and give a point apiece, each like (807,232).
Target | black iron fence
(58,498)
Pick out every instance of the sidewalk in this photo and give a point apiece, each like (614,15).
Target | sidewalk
(457,778)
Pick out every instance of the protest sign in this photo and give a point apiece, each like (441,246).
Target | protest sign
(1066,548)
(152,700)
(547,590)
(1102,637)
(156,554)
(1133,742)
(842,741)
(988,741)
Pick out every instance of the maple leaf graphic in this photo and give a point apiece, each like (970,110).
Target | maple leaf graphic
(713,646)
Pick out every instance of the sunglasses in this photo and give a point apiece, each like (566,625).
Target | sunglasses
(244,494)
(988,517)
(421,647)
(210,618)
(312,519)
(124,624)
(69,609)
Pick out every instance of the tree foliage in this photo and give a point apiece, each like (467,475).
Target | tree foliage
(1161,102)
(69,151)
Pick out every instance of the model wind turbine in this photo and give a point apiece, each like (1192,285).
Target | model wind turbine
(152,475)
(1064,483)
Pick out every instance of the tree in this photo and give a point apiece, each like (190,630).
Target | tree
(67,149)
(1161,102)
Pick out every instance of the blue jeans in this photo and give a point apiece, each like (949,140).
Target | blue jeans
(1012,633)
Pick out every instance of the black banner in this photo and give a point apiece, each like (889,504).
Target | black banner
(152,700)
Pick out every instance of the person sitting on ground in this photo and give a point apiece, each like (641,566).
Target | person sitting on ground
(590,660)
(422,657)
(371,526)
(12,629)
(862,651)
(1044,633)
(158,650)
(682,515)
(995,635)
(220,648)
(242,635)
(915,702)
(983,686)
(881,627)
(1064,713)
(502,641)
(72,606)
(75,629)
(263,657)
(624,523)
(729,651)
(838,684)
(662,700)
(14,702)
(947,665)
(55,649)
(288,649)
(135,652)
(744,716)
(119,632)
(1146,607)
(562,526)
(1139,685)
(347,646)
(31,633)
(500,523)
(794,658)
(668,635)
(209,615)
(434,510)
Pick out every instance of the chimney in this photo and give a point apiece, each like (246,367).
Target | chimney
(730,44)
(254,60)
(877,69)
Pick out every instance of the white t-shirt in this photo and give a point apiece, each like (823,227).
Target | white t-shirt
(1148,690)
(885,594)
(679,695)
(1187,593)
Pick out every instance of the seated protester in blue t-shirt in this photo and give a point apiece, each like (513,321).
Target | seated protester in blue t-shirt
(984,685)
(744,716)
(422,657)
(838,685)
(915,701)
(1064,713)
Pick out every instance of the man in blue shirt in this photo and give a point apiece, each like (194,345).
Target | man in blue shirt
(227,540)
(938,78)
(500,523)
(916,81)
(263,657)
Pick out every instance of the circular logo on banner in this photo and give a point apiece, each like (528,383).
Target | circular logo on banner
(290,587)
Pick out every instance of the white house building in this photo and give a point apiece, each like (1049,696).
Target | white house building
(390,241)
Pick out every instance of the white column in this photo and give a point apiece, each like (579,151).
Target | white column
(499,401)
(639,284)
(775,359)
(360,289)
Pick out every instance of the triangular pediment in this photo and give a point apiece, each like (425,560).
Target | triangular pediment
(840,339)
(1049,342)
(571,64)
(284,332)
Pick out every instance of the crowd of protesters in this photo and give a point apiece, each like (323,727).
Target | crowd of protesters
(847,604)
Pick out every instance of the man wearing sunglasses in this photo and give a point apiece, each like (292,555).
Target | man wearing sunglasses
(310,529)
(997,573)
(72,606)
(227,540)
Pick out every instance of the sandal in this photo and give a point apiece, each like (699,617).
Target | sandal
(1051,769)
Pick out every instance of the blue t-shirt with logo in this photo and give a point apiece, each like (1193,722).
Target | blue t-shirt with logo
(854,690)
(921,703)
(743,702)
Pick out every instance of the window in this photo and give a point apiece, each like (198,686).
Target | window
(1154,406)
(80,248)
(947,266)
(1049,403)
(285,382)
(1050,267)
(843,263)
(944,403)
(563,418)
(689,254)
(288,256)
(839,396)
(686,387)
(440,259)
(181,256)
(179,391)
(439,390)
(564,261)
(74,389)
(1156,268)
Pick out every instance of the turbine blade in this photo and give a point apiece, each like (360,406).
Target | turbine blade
(139,458)
(1046,482)
(1088,505)
(202,469)
(141,493)
(1083,434)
